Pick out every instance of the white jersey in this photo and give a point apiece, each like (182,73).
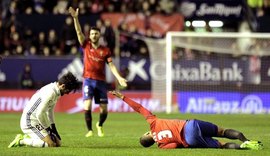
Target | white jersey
(38,113)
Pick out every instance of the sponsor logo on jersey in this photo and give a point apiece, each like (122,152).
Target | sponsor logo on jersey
(101,53)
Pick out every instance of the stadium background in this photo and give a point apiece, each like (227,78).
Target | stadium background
(41,33)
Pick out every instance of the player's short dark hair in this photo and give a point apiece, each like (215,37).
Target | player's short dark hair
(70,81)
(146,141)
(95,28)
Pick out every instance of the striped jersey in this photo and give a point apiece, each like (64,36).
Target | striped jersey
(40,109)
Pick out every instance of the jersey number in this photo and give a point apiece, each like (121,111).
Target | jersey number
(162,134)
(39,127)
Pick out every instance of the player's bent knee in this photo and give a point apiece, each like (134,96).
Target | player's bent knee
(220,131)
(103,108)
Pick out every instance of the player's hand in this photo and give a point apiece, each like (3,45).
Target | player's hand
(117,94)
(57,142)
(122,82)
(54,130)
(49,140)
(49,130)
(73,13)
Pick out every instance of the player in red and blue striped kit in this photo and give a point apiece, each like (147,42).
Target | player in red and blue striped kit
(94,85)
(175,133)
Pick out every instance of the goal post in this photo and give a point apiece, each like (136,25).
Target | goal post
(169,72)
(221,45)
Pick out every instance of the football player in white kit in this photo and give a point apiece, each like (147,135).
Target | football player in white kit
(37,120)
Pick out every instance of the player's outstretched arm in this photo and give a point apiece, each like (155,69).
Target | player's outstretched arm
(75,14)
(121,80)
(136,106)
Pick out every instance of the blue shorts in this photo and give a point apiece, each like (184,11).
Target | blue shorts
(198,134)
(95,88)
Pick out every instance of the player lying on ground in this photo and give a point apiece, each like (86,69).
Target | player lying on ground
(186,133)
(37,120)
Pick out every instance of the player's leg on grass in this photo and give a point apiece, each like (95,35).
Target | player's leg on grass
(231,134)
(35,138)
(253,145)
(88,94)
(234,134)
(101,98)
(88,117)
(198,134)
(32,140)
(16,141)
(102,118)
(230,145)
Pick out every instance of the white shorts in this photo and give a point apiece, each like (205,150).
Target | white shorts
(33,128)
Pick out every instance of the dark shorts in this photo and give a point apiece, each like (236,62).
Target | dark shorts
(95,89)
(198,134)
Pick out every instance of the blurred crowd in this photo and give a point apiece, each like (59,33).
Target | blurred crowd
(16,39)
(11,7)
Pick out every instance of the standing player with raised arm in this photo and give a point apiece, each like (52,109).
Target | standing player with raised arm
(37,120)
(175,133)
(94,85)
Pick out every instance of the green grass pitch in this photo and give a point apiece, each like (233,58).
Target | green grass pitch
(122,134)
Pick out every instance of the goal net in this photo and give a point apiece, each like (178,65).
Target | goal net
(213,62)
(200,63)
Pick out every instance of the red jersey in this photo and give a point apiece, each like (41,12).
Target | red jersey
(94,61)
(167,133)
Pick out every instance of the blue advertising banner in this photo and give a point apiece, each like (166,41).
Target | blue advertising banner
(224,102)
(140,70)
(43,69)
(212,10)
(222,70)
(219,70)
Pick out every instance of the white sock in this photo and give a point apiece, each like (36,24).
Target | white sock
(33,142)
